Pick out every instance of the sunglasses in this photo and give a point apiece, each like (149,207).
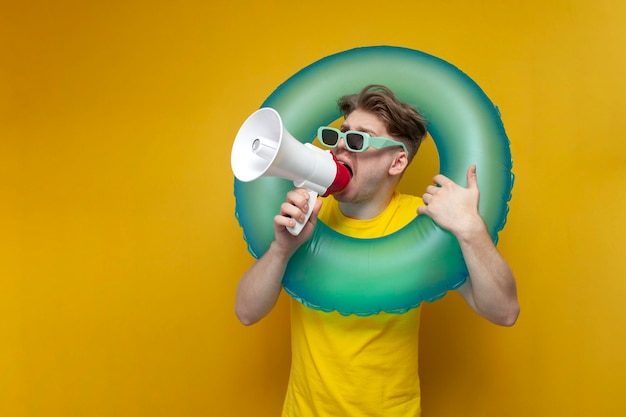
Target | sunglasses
(355,141)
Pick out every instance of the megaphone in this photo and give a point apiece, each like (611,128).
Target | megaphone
(263,147)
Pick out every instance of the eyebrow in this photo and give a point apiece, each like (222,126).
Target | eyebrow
(345,127)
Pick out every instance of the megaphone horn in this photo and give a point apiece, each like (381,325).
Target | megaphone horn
(263,147)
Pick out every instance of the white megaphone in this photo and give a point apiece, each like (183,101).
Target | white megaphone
(263,147)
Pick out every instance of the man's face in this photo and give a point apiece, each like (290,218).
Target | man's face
(370,169)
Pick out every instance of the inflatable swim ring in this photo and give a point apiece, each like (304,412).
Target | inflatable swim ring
(420,262)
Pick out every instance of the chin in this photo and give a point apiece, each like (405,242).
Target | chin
(341,197)
(345,196)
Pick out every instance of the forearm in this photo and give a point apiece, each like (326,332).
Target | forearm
(490,290)
(260,287)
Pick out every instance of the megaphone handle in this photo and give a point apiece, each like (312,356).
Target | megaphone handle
(300,225)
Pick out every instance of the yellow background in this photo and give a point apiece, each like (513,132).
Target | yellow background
(120,253)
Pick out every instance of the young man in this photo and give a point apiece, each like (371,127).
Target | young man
(367,366)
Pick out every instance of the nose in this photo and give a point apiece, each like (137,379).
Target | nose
(341,144)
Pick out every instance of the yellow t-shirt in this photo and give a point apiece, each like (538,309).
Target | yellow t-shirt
(351,365)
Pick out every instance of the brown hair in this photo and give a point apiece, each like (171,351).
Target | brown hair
(402,120)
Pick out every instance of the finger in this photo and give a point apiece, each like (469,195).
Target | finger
(316,209)
(442,180)
(299,197)
(472,181)
(283,221)
(290,210)
(431,189)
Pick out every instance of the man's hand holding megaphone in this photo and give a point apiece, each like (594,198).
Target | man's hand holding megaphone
(295,210)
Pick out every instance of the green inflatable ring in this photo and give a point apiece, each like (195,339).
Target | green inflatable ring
(420,262)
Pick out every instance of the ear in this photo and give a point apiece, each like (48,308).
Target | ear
(399,164)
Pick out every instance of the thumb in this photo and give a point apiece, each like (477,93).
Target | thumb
(472,182)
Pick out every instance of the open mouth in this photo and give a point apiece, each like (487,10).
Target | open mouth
(348,167)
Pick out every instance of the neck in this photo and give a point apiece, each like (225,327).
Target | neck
(365,210)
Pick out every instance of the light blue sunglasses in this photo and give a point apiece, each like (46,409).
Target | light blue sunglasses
(355,141)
